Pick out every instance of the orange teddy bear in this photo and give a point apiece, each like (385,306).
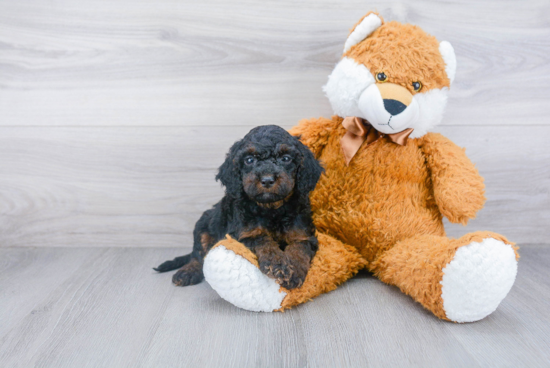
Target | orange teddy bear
(388,183)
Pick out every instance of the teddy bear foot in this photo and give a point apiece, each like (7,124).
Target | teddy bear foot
(477,279)
(238,280)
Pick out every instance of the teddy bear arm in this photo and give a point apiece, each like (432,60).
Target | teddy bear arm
(458,187)
(314,133)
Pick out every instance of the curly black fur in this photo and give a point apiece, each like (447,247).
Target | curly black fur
(268,176)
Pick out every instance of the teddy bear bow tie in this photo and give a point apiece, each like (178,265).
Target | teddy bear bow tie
(359,130)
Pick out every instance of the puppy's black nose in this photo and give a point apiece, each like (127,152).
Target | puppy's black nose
(394,107)
(268,181)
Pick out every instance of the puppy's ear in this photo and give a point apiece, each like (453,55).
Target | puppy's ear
(309,171)
(229,173)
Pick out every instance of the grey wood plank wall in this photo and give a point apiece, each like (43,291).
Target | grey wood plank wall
(115,115)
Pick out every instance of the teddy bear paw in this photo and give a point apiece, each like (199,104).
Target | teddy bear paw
(477,279)
(240,282)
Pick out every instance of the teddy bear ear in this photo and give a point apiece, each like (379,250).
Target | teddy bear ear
(448,53)
(368,25)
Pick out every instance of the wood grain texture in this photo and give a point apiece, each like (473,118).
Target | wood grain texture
(114,116)
(109,309)
(242,62)
(146,187)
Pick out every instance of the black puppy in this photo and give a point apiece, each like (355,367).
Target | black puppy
(268,176)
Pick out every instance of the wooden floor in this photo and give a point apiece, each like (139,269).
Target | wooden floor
(105,307)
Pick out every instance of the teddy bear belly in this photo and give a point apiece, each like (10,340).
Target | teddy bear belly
(384,196)
(372,231)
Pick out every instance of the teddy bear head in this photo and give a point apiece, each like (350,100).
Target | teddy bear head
(394,75)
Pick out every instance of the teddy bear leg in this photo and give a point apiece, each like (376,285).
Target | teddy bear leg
(460,280)
(232,271)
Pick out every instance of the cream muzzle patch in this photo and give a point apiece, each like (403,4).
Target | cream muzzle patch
(388,108)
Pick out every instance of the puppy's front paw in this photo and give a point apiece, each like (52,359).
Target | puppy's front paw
(280,267)
(297,275)
(273,265)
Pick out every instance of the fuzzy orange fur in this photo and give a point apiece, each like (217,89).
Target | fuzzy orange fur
(405,53)
(416,265)
(383,196)
(388,204)
(334,263)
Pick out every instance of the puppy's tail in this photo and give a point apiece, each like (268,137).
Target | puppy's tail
(176,263)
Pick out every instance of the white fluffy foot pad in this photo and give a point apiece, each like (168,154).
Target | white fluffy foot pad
(477,279)
(240,282)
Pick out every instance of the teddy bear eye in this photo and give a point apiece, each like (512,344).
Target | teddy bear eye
(417,86)
(249,160)
(381,77)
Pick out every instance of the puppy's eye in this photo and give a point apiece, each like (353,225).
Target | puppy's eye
(249,160)
(417,86)
(381,77)
(286,158)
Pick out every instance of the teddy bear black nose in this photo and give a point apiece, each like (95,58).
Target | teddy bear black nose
(394,107)
(267,181)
